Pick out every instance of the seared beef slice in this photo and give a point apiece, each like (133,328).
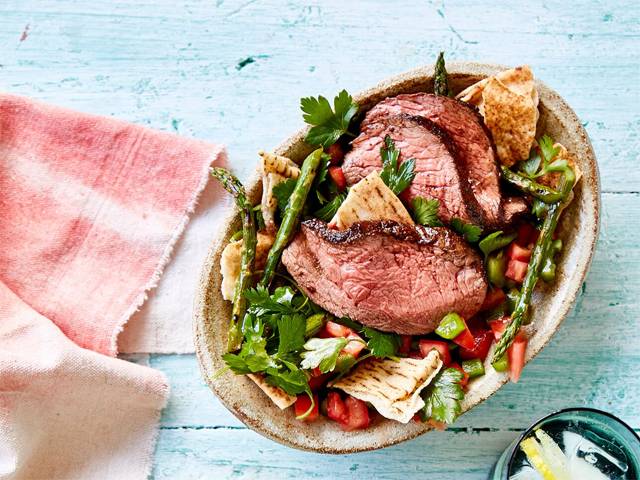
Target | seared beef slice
(387,275)
(471,140)
(438,172)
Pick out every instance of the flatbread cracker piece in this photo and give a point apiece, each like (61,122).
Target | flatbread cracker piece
(369,200)
(273,169)
(508,102)
(230,262)
(511,118)
(278,396)
(392,386)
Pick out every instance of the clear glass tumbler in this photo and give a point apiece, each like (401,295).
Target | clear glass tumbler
(596,445)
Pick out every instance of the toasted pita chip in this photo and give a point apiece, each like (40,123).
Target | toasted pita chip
(511,118)
(392,386)
(508,102)
(278,396)
(274,169)
(370,199)
(230,262)
(519,79)
(553,179)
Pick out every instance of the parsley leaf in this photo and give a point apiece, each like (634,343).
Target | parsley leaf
(397,178)
(540,159)
(253,356)
(236,363)
(322,353)
(495,241)
(328,125)
(291,331)
(327,212)
(382,344)
(547,150)
(425,212)
(442,397)
(293,382)
(282,191)
(470,232)
(530,167)
(263,303)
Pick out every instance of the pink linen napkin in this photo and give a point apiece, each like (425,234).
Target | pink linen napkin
(90,209)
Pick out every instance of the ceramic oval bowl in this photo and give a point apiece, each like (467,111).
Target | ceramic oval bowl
(578,229)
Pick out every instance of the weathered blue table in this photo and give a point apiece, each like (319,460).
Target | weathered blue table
(233,71)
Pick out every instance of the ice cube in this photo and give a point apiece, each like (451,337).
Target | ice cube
(585,471)
(587,451)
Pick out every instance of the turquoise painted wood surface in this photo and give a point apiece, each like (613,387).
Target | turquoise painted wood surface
(233,71)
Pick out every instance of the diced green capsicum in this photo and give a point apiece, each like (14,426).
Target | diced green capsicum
(314,324)
(548,271)
(496,266)
(502,364)
(451,326)
(512,298)
(474,368)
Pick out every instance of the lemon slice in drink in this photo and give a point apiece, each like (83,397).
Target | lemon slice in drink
(545,456)
(533,451)
(555,457)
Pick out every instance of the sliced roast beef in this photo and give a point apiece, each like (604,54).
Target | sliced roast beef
(472,141)
(387,275)
(439,173)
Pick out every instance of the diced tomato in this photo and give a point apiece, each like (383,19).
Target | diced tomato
(516,252)
(357,414)
(405,196)
(498,325)
(324,333)
(336,330)
(493,298)
(416,355)
(337,175)
(417,419)
(464,339)
(516,270)
(516,354)
(405,344)
(354,347)
(443,349)
(527,234)
(481,345)
(465,375)
(318,379)
(302,405)
(336,153)
(336,409)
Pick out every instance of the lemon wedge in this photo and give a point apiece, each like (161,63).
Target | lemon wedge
(533,450)
(555,457)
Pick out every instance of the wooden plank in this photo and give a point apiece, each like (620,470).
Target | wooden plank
(230,453)
(589,362)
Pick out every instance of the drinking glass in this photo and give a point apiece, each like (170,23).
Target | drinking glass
(586,435)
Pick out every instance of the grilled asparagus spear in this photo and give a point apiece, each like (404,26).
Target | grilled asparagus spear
(440,82)
(291,214)
(248,255)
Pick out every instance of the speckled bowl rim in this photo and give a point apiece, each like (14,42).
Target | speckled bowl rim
(253,408)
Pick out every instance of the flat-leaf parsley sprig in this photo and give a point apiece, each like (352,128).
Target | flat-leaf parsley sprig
(328,125)
(396,177)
